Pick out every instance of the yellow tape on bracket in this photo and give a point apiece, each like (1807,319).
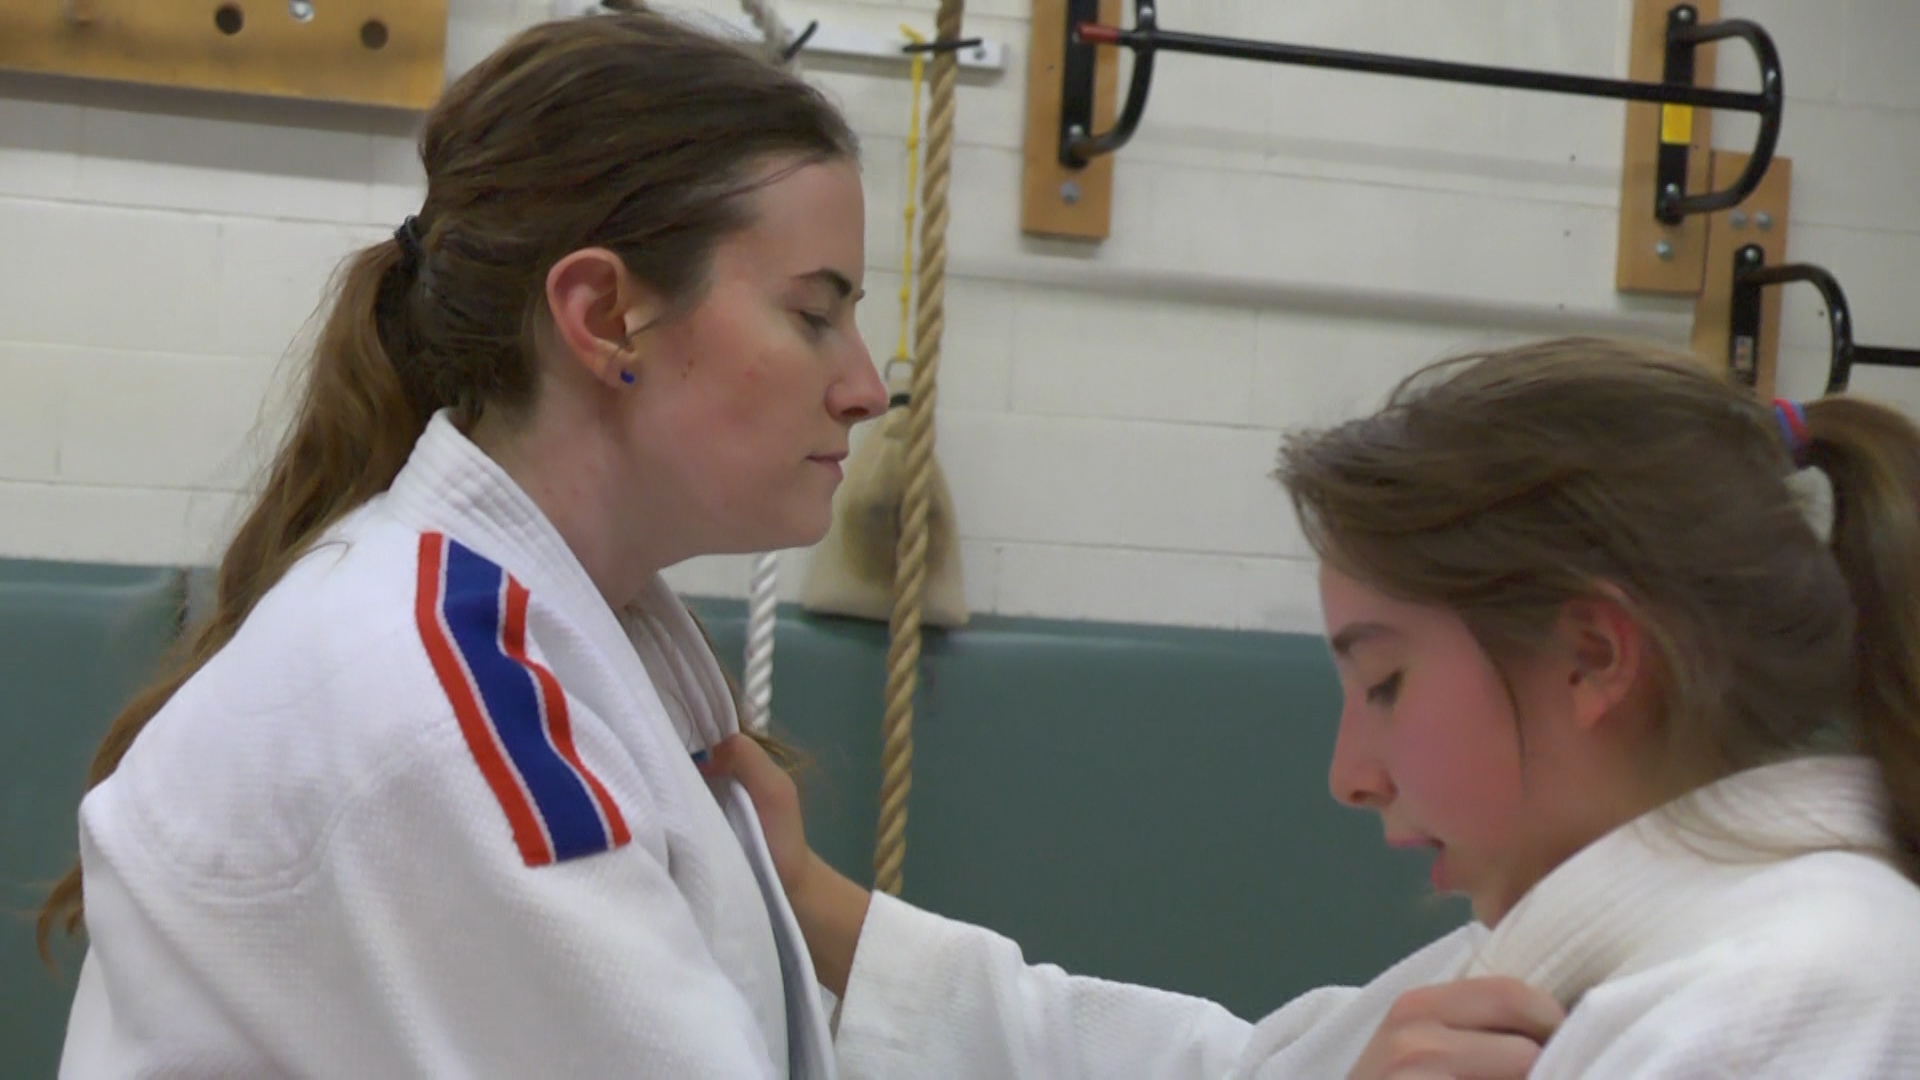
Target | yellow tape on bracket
(1676,124)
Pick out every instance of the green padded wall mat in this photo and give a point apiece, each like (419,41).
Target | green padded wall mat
(1139,803)
(75,642)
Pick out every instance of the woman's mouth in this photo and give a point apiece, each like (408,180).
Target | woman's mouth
(1438,871)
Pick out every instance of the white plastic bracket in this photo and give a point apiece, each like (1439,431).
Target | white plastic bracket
(828,39)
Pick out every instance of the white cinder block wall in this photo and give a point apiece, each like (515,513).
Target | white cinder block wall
(1286,243)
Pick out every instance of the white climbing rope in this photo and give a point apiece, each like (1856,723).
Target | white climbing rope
(763,606)
(763,585)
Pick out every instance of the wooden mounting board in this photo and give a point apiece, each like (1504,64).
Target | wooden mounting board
(1638,265)
(1056,200)
(370,52)
(1724,239)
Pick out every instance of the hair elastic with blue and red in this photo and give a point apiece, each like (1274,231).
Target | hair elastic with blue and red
(1793,428)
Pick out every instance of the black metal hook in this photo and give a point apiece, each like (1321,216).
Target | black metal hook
(954,45)
(1080,144)
(1751,274)
(799,42)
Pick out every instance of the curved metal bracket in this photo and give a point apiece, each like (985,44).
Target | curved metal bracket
(1080,144)
(1671,204)
(1751,274)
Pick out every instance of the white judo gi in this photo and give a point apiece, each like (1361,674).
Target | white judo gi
(432,813)
(1699,954)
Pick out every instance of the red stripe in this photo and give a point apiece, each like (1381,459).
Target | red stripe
(1796,420)
(513,639)
(454,679)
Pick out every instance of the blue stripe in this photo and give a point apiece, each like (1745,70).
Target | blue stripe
(473,607)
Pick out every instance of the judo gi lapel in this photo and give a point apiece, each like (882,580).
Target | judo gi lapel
(1629,897)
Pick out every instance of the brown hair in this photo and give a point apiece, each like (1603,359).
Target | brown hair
(1503,485)
(629,132)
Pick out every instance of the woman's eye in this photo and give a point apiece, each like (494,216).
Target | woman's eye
(819,324)
(1386,691)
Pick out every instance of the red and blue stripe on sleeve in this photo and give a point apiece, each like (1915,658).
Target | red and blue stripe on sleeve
(473,620)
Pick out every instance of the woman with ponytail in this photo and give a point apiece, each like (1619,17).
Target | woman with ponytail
(421,797)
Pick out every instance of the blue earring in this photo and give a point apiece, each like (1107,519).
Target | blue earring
(627,377)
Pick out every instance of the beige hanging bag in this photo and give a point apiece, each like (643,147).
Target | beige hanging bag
(852,569)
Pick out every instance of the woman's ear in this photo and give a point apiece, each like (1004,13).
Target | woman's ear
(1606,648)
(600,314)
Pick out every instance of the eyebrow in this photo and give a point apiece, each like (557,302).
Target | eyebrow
(1355,633)
(840,282)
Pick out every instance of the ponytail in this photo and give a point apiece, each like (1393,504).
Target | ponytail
(357,421)
(1872,456)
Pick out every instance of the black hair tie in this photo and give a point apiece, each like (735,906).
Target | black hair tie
(408,237)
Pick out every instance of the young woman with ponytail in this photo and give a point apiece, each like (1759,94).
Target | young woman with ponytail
(1652,714)
(420,797)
